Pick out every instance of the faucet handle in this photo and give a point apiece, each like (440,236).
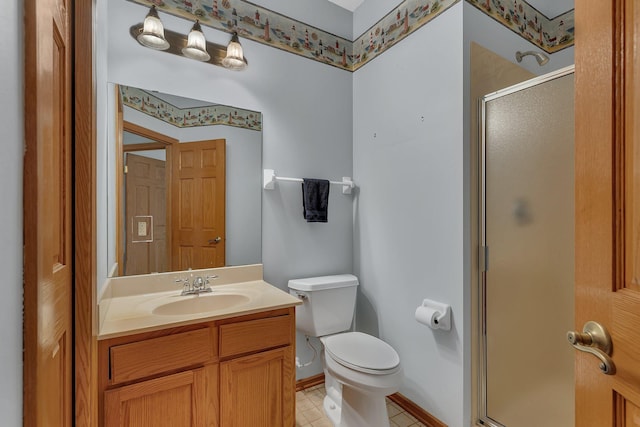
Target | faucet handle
(185,284)
(212,277)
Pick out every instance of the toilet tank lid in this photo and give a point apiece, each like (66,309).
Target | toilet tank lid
(324,282)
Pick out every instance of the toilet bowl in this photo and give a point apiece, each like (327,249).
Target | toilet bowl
(360,371)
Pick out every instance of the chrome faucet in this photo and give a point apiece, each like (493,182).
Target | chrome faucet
(197,286)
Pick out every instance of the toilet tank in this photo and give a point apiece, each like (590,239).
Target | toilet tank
(328,303)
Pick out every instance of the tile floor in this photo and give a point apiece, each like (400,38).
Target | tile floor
(309,412)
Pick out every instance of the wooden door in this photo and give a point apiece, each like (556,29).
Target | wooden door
(146,215)
(198,205)
(608,206)
(156,141)
(48,259)
(178,400)
(254,390)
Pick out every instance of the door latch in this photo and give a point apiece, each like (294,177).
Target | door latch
(594,339)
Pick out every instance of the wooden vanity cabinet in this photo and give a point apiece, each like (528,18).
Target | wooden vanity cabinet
(255,391)
(235,372)
(180,399)
(257,386)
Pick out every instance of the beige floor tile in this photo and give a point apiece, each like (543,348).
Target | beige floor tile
(310,411)
(313,414)
(301,421)
(316,393)
(411,417)
(395,405)
(403,420)
(322,422)
(392,410)
(304,404)
(316,399)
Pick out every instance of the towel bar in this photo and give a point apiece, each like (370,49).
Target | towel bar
(270,178)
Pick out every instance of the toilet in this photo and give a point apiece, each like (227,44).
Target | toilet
(360,370)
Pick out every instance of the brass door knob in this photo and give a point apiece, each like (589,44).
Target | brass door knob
(594,339)
(216,240)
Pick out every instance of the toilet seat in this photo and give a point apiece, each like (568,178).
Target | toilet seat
(362,352)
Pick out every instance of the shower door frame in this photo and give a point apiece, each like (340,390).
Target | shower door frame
(483,417)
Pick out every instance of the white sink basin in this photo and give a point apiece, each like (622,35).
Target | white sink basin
(201,304)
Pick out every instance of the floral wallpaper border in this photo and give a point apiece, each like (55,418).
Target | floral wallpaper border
(276,30)
(550,34)
(406,18)
(210,115)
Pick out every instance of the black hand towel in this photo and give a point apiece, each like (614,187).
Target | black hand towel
(315,199)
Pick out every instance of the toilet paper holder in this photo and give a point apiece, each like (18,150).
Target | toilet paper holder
(434,314)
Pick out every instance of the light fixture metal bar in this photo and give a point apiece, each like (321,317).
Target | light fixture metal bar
(178,41)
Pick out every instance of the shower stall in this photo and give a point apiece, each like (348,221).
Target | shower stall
(526,254)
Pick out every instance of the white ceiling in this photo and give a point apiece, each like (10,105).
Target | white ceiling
(181,102)
(551,8)
(350,5)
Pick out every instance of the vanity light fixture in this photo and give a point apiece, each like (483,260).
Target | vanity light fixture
(196,47)
(152,34)
(235,58)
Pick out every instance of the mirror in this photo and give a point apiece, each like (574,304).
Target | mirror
(185,186)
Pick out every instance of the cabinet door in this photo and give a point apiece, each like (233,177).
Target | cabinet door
(179,400)
(258,390)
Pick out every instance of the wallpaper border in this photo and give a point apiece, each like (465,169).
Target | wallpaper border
(210,115)
(273,29)
(549,34)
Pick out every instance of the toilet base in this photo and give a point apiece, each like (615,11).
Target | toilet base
(356,409)
(360,409)
(331,410)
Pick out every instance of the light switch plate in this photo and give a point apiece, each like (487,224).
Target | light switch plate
(142,229)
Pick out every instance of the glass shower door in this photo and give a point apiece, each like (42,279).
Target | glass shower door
(527,238)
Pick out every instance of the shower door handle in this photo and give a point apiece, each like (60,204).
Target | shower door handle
(594,339)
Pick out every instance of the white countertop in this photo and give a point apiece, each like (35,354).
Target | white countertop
(131,311)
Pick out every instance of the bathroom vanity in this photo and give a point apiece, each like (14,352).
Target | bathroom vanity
(228,364)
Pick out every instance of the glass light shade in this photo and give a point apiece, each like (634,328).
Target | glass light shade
(152,35)
(196,45)
(235,58)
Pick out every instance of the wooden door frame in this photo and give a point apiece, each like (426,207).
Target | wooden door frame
(163,142)
(596,147)
(85,272)
(85,278)
(141,255)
